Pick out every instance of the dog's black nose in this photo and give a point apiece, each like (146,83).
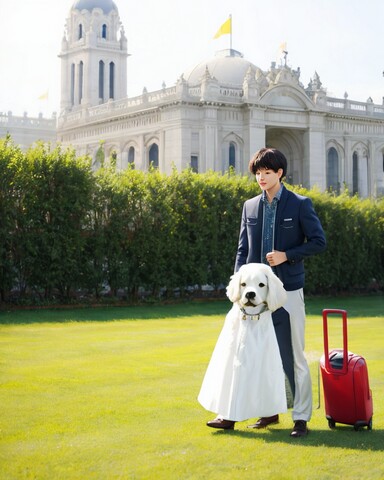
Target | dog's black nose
(250,295)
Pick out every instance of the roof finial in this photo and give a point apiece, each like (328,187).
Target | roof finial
(285,57)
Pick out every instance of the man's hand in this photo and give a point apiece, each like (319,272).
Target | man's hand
(276,258)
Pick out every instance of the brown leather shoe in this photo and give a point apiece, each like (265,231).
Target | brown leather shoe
(300,429)
(263,422)
(221,423)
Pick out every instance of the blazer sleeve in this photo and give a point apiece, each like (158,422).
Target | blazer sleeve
(312,231)
(243,246)
(248,249)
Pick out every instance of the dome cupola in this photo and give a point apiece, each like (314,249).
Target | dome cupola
(228,67)
(105,5)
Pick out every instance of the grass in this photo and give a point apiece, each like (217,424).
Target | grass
(110,393)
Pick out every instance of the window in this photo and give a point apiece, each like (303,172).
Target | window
(99,157)
(113,159)
(195,163)
(333,183)
(80,31)
(111,80)
(104,31)
(101,80)
(73,84)
(131,155)
(81,74)
(232,155)
(154,156)
(355,174)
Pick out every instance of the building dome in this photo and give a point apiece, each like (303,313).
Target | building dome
(227,66)
(105,5)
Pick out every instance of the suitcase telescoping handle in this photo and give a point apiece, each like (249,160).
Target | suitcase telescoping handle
(343,313)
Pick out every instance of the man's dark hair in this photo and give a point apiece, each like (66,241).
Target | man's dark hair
(268,158)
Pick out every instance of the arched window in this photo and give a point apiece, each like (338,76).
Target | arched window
(73,84)
(232,155)
(81,75)
(195,163)
(99,157)
(101,80)
(104,31)
(111,80)
(154,156)
(355,174)
(113,159)
(80,31)
(131,155)
(333,183)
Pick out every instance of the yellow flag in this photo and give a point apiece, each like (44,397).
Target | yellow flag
(283,47)
(225,28)
(44,96)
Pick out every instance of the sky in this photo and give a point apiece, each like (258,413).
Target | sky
(341,40)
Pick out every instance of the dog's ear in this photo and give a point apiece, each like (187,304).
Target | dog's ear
(277,295)
(233,289)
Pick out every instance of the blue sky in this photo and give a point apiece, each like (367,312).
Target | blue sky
(342,40)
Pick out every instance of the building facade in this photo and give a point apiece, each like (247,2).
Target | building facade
(216,115)
(26,130)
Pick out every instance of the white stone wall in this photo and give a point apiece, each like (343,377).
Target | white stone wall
(202,115)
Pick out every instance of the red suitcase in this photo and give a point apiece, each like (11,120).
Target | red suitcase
(347,396)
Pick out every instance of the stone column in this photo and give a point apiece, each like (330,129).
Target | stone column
(372,175)
(212,152)
(254,135)
(162,157)
(140,162)
(314,161)
(347,178)
(362,168)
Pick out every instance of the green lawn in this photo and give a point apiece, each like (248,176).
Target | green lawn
(110,393)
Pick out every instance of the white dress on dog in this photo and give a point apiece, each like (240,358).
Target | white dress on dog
(245,376)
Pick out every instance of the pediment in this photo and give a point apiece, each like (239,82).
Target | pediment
(286,97)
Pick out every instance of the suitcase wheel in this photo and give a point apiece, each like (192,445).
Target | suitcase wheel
(331,423)
(370,424)
(360,424)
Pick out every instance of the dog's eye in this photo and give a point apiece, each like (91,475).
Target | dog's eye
(243,284)
(261,284)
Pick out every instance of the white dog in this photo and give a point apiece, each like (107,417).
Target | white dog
(245,376)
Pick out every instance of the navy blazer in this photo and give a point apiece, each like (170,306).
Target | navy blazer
(298,233)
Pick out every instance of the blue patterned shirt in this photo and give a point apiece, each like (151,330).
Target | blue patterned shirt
(269,217)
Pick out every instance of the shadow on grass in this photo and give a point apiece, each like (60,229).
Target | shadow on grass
(366,306)
(341,437)
(17,316)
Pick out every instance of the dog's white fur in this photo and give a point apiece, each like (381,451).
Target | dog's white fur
(257,279)
(237,385)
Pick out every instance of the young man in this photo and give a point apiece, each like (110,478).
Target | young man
(281,229)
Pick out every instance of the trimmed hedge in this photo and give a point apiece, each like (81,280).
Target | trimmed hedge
(66,231)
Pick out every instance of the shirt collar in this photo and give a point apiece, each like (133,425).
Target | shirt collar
(277,196)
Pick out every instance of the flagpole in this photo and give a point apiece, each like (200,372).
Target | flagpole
(230,36)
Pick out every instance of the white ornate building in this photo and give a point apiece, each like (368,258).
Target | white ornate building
(26,130)
(216,115)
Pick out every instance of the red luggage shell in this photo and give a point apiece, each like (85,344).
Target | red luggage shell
(347,396)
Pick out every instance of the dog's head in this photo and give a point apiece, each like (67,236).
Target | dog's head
(254,284)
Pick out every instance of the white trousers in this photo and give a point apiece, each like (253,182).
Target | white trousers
(302,405)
